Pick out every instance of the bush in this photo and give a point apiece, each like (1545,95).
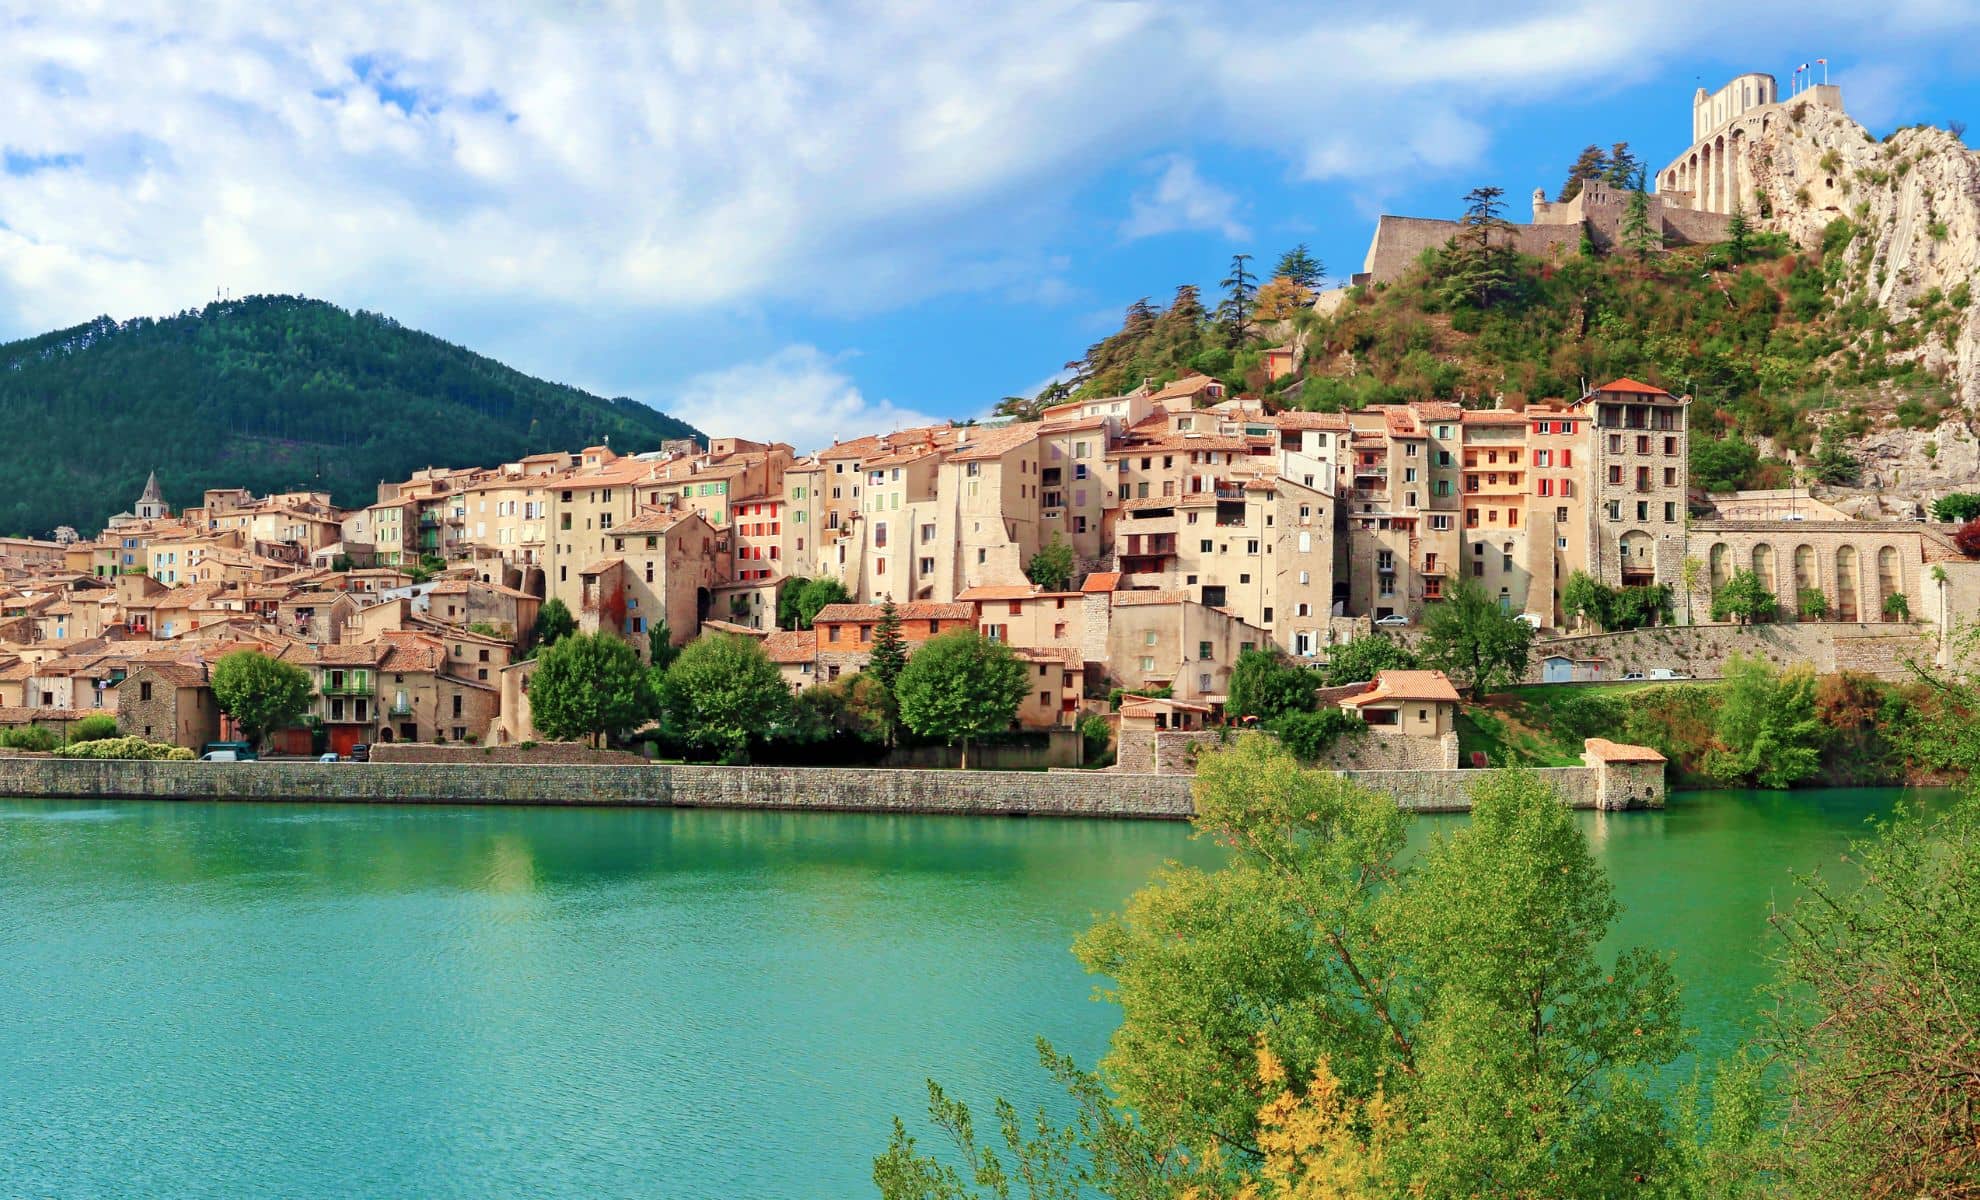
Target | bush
(1956,507)
(30,737)
(1096,731)
(1814,605)
(126,748)
(93,728)
(1309,735)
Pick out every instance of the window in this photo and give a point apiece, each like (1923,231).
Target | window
(1615,474)
(1615,443)
(1670,445)
(1203,651)
(1670,511)
(144,693)
(1203,546)
(1440,521)
(1670,476)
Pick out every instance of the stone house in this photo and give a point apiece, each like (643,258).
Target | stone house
(1057,678)
(662,565)
(1406,704)
(168,702)
(795,651)
(843,633)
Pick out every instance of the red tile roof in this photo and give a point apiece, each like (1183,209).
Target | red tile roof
(1406,685)
(791,646)
(1609,751)
(1101,581)
(914,610)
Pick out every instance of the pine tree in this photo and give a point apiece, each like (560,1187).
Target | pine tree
(1240,289)
(1589,165)
(1301,267)
(1636,234)
(1739,239)
(1623,167)
(889,655)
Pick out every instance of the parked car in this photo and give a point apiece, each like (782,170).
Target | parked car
(1667,673)
(1629,676)
(1393,619)
(1531,620)
(330,757)
(361,752)
(232,752)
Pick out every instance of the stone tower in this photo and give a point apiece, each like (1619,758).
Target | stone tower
(151,505)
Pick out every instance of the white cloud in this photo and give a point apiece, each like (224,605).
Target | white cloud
(1182,200)
(798,395)
(677,159)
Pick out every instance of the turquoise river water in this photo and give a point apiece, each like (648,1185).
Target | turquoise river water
(296,1000)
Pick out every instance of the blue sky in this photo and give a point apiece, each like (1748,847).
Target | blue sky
(807,220)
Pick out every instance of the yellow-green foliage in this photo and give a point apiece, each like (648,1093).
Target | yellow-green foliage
(127,748)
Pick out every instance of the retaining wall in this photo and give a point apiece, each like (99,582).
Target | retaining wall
(1071,794)
(1450,791)
(1876,648)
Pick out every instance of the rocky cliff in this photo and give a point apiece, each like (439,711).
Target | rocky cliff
(1913,202)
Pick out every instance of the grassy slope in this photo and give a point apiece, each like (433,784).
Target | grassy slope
(1523,726)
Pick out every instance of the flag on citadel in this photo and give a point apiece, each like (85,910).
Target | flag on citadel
(1821,62)
(1804,66)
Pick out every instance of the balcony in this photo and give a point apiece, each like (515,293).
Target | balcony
(351,685)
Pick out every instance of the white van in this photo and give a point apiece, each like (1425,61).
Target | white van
(1667,673)
(220,756)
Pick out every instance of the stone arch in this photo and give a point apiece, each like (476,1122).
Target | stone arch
(1807,575)
(1847,585)
(1763,566)
(1720,559)
(1719,169)
(1704,189)
(1890,576)
(1636,552)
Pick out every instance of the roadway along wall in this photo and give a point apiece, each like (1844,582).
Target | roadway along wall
(1877,648)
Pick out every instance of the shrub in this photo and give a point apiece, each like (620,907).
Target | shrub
(126,748)
(1959,507)
(1812,604)
(1309,735)
(30,737)
(1095,730)
(94,727)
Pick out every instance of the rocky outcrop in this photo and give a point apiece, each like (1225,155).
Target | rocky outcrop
(1915,201)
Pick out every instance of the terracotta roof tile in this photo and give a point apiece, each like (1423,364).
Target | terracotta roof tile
(1609,751)
(791,646)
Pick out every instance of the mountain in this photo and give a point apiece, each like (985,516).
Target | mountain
(269,393)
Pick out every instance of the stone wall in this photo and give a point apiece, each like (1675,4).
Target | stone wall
(541,754)
(1071,794)
(1450,791)
(1701,650)
(1165,752)
(1400,241)
(1373,751)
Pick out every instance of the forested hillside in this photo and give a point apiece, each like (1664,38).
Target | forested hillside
(269,393)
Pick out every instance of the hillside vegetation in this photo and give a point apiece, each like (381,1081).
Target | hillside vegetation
(269,393)
(1762,334)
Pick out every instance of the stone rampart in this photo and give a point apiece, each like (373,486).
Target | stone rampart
(540,754)
(1070,794)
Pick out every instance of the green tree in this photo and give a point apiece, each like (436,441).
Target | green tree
(1588,167)
(1266,685)
(960,685)
(888,658)
(1956,507)
(1299,265)
(1585,596)
(1475,642)
(1622,168)
(1690,572)
(1240,288)
(1812,604)
(1897,607)
(660,648)
(1636,233)
(798,600)
(591,686)
(1744,599)
(1052,566)
(1360,660)
(1723,464)
(1834,464)
(1739,236)
(723,692)
(1767,725)
(262,694)
(1873,1014)
(1469,988)
(554,622)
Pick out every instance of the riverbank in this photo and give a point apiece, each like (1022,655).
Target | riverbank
(820,789)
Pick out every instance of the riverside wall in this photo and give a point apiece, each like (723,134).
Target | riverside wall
(818,789)
(1883,649)
(824,789)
